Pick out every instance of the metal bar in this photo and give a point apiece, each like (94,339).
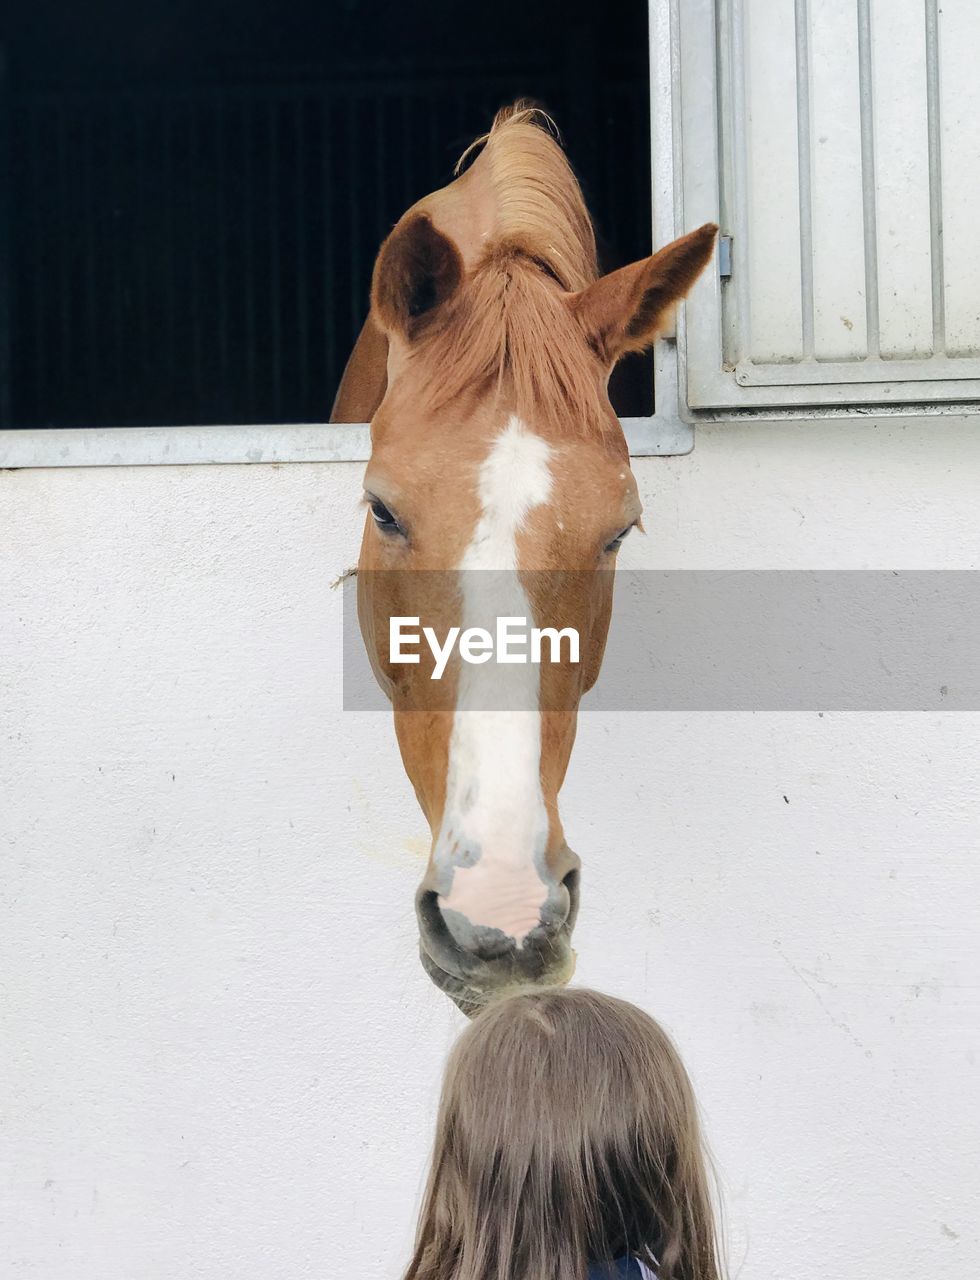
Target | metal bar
(183,446)
(408,190)
(301,215)
(248,197)
(339,89)
(636,224)
(91,289)
(600,171)
(935,178)
(738,336)
(248,443)
(865,74)
(354,217)
(328,292)
(6,254)
(861,368)
(806,190)
(459,118)
(143,338)
(667,193)
(114,135)
(221,263)
(167,131)
(38,293)
(642,221)
(62,284)
(380,173)
(194,178)
(275,289)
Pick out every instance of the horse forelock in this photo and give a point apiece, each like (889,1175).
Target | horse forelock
(508,326)
(510,332)
(537,201)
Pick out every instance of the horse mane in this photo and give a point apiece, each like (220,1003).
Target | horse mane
(509,319)
(539,203)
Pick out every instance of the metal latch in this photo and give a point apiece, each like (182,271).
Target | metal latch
(725,257)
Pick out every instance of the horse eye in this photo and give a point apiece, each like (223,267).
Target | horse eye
(617,542)
(383,517)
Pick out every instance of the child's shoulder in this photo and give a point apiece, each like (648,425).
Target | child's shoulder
(621,1269)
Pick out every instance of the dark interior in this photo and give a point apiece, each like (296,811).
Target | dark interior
(192,193)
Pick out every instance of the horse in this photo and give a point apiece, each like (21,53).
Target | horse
(482,368)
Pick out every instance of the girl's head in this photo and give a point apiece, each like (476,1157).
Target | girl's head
(567,1135)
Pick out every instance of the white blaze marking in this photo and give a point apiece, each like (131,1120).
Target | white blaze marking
(491,847)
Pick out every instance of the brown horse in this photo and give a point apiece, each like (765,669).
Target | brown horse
(483,369)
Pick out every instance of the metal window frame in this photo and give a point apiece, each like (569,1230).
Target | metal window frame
(211,446)
(684,120)
(711,389)
(666,433)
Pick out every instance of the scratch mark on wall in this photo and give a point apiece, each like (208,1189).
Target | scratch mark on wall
(810,985)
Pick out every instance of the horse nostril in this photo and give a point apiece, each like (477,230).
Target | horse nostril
(571,884)
(482,952)
(429,915)
(561,907)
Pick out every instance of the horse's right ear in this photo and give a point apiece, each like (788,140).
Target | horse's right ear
(625,310)
(417,269)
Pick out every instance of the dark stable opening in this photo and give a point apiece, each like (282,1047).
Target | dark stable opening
(192,192)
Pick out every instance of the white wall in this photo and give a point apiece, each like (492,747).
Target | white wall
(218,1054)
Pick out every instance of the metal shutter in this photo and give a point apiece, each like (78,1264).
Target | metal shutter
(838,143)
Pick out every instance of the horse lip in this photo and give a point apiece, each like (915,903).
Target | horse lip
(466,998)
(471,982)
(514,967)
(435,941)
(471,998)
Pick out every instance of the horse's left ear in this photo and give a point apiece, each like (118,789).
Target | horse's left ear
(417,269)
(626,309)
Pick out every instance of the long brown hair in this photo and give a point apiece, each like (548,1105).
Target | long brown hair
(567,1134)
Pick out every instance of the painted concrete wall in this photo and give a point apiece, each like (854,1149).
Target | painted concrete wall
(218,1055)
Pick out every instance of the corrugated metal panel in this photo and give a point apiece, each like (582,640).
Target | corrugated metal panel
(848,176)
